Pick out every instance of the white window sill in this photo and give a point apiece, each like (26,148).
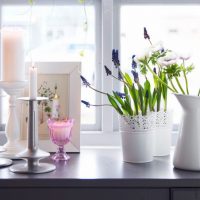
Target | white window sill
(98,138)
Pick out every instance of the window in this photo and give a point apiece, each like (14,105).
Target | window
(112,24)
(55,25)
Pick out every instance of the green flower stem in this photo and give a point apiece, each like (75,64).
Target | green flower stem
(165,105)
(199,93)
(179,85)
(97,90)
(172,84)
(100,105)
(158,98)
(121,81)
(140,96)
(150,41)
(186,82)
(160,79)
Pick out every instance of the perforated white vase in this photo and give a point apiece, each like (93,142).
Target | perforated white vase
(163,133)
(187,151)
(137,135)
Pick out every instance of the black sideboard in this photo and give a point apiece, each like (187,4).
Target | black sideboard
(100,173)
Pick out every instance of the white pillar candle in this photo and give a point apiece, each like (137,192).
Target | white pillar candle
(33,82)
(13,67)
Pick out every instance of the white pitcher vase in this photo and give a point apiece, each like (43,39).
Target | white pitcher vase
(187,151)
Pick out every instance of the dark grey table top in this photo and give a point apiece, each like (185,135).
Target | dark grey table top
(100,167)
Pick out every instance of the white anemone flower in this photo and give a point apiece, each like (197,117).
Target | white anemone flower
(156,47)
(142,54)
(169,59)
(184,55)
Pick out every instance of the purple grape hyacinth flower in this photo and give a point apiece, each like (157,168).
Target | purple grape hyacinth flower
(135,75)
(147,94)
(146,35)
(84,80)
(154,70)
(120,77)
(108,71)
(162,50)
(115,58)
(86,103)
(121,95)
(134,64)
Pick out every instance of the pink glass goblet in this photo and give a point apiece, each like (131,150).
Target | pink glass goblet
(60,134)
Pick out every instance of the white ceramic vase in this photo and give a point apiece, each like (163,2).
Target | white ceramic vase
(163,133)
(138,137)
(187,151)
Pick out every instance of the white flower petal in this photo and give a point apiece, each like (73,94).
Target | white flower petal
(157,46)
(142,54)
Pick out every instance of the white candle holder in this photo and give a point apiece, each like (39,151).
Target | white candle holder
(2,149)
(12,130)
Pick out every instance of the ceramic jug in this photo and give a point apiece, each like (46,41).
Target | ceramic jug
(187,151)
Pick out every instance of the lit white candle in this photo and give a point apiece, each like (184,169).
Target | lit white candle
(13,67)
(55,107)
(33,82)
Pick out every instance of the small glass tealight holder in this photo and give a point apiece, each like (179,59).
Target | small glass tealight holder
(60,134)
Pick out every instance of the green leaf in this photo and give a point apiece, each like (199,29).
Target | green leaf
(140,94)
(147,86)
(128,101)
(154,98)
(164,91)
(114,104)
(133,94)
(47,109)
(159,95)
(143,69)
(189,69)
(128,108)
(121,102)
(146,101)
(31,2)
(147,95)
(150,102)
(118,98)
(128,79)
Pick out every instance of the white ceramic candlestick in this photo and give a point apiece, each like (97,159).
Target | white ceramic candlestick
(13,146)
(2,149)
(13,76)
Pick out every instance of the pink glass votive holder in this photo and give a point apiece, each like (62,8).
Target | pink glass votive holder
(60,134)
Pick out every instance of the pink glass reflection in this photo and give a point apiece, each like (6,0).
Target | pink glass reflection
(60,134)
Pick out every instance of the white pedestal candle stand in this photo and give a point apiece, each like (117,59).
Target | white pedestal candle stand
(12,130)
(2,149)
